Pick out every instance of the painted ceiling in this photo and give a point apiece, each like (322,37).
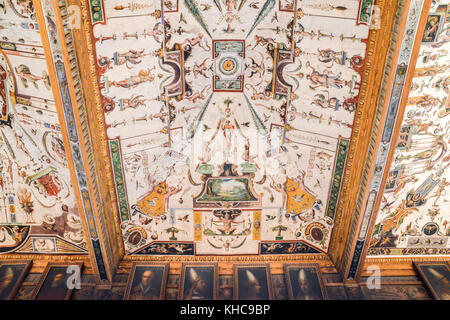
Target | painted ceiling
(38,210)
(228,121)
(414,214)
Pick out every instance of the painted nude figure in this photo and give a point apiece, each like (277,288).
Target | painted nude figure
(134,81)
(197,41)
(133,102)
(226,219)
(257,95)
(200,69)
(21,145)
(199,95)
(131,56)
(262,41)
(442,185)
(324,79)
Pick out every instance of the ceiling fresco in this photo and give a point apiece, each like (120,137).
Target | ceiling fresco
(38,210)
(228,122)
(414,214)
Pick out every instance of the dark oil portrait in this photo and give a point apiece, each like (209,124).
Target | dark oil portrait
(11,276)
(432,28)
(199,282)
(304,283)
(252,283)
(55,286)
(437,279)
(147,283)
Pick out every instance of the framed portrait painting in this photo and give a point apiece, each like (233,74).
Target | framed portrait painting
(12,274)
(56,282)
(432,28)
(436,276)
(304,282)
(199,281)
(147,281)
(252,282)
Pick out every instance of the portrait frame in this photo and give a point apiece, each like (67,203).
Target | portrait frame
(289,266)
(249,266)
(19,279)
(149,265)
(440,20)
(215,284)
(418,266)
(46,273)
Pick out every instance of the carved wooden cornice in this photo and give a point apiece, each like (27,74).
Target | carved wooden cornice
(367,115)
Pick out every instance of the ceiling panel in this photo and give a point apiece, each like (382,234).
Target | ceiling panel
(38,210)
(228,122)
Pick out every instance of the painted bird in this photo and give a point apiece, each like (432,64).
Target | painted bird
(184,218)
(182,19)
(145,220)
(274,18)
(205,6)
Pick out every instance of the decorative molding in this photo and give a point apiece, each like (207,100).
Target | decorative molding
(366,116)
(95,109)
(399,84)
(278,258)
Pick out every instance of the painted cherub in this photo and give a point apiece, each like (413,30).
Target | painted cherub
(197,41)
(199,95)
(259,40)
(200,69)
